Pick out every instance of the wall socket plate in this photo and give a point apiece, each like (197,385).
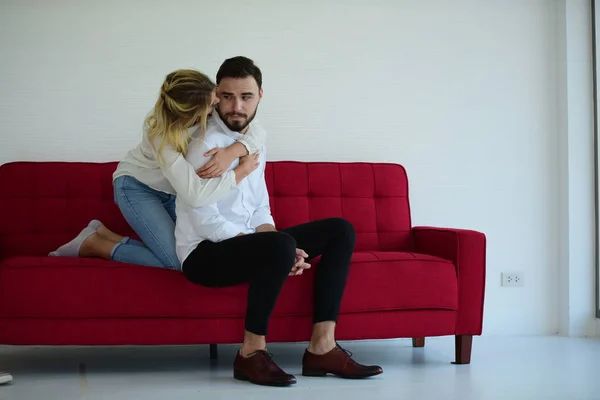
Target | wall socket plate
(514,279)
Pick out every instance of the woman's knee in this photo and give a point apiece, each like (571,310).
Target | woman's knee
(171,262)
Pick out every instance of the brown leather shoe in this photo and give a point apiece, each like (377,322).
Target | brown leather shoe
(260,369)
(338,362)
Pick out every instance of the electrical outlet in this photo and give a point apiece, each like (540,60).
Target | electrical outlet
(512,279)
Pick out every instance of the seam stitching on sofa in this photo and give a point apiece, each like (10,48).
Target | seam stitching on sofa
(341,191)
(375,206)
(308,192)
(112,267)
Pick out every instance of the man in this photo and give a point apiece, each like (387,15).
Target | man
(235,241)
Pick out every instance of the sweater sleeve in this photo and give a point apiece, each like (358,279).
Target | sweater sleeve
(206,221)
(255,138)
(189,187)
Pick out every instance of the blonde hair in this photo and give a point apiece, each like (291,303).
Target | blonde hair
(185,100)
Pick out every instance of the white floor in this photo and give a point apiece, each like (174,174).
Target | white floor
(502,368)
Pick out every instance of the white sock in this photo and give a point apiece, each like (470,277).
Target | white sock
(95,224)
(71,249)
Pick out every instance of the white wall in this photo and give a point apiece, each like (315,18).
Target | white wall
(576,160)
(465,94)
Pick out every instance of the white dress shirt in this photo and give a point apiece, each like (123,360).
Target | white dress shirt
(241,211)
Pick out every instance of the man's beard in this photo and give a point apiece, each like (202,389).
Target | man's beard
(238,125)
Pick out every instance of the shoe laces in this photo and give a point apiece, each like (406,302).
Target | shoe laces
(348,352)
(266,354)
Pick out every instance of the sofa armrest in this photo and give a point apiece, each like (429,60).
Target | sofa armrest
(467,250)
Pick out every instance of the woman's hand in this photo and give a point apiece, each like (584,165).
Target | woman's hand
(247,165)
(217,165)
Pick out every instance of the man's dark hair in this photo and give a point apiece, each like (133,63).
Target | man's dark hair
(239,67)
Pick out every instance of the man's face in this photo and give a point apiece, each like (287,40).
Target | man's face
(238,101)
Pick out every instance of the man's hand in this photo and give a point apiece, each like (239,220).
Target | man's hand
(265,228)
(218,164)
(300,265)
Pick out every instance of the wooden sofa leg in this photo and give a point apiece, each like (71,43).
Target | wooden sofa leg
(419,342)
(213,352)
(463,346)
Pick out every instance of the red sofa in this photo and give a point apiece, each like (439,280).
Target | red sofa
(405,281)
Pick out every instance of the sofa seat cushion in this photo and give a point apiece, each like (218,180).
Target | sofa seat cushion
(56,287)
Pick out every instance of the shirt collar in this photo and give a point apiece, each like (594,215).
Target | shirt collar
(232,134)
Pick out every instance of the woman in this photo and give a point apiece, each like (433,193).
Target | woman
(152,174)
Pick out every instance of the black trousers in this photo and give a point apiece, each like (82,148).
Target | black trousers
(266,259)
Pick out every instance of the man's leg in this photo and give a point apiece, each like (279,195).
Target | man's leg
(264,260)
(334,240)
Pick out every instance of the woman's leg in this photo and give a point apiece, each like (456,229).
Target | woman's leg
(88,243)
(263,259)
(97,241)
(104,232)
(151,215)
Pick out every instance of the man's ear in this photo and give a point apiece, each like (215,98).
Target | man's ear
(260,93)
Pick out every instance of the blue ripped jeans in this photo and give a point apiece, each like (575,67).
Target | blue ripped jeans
(151,214)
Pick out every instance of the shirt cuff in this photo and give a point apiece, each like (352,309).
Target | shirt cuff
(246,145)
(229,177)
(224,232)
(262,219)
